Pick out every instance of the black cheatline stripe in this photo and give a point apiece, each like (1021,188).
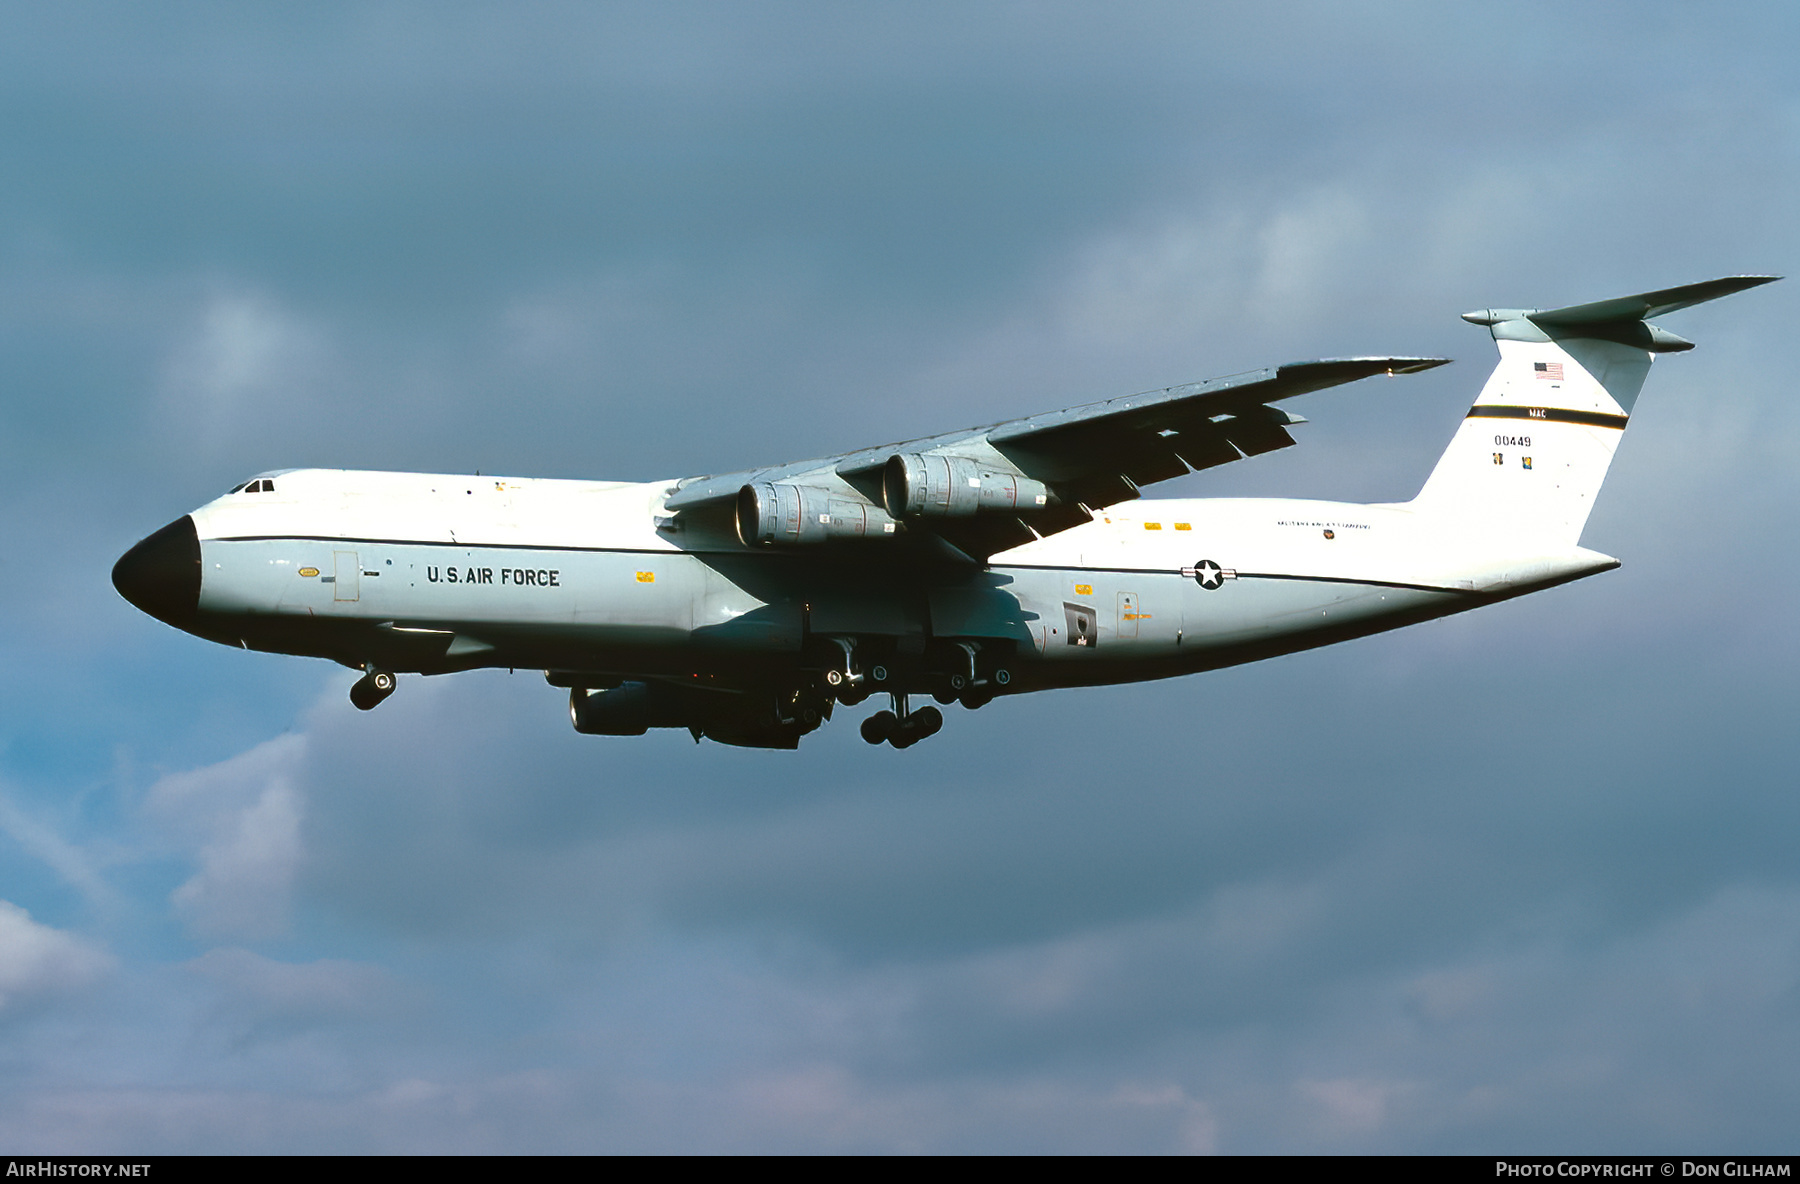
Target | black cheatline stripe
(1269,575)
(332,538)
(1592,419)
(1242,575)
(1117,571)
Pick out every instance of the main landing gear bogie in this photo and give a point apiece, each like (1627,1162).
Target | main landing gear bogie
(966,672)
(955,672)
(902,731)
(369,690)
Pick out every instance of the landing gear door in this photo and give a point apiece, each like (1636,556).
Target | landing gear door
(348,581)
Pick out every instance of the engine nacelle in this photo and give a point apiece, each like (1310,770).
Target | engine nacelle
(936,486)
(622,711)
(797,514)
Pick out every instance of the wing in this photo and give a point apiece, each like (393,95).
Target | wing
(986,489)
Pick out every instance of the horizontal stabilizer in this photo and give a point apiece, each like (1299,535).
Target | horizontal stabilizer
(1646,305)
(1640,307)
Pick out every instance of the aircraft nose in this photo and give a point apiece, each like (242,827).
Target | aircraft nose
(161,575)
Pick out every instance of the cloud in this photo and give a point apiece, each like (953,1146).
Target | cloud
(305,1017)
(325,987)
(37,961)
(1357,1106)
(243,817)
(244,352)
(74,865)
(1518,878)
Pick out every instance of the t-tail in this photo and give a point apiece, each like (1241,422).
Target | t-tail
(1529,459)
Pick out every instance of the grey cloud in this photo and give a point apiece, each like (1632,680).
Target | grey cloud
(1516,879)
(324,987)
(243,819)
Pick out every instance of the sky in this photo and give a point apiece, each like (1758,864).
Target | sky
(1524,880)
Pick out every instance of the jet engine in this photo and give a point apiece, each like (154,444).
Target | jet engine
(801,514)
(936,486)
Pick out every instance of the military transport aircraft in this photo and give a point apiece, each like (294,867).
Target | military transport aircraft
(1016,557)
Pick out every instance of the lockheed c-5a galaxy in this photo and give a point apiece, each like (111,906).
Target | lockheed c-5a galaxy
(1017,557)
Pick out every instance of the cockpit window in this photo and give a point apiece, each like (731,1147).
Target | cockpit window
(239,487)
(260,485)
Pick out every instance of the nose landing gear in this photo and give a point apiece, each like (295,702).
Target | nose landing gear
(902,727)
(371,688)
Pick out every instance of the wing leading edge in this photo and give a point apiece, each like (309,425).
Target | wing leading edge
(989,488)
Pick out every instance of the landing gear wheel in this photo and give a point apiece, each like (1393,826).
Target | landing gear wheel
(369,690)
(904,733)
(879,727)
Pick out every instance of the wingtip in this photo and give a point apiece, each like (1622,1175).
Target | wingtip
(1415,365)
(1740,283)
(1371,364)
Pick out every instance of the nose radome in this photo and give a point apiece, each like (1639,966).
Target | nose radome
(161,575)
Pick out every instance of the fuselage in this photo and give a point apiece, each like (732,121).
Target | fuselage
(433,573)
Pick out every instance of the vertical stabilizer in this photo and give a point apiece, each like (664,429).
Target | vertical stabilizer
(1530,457)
